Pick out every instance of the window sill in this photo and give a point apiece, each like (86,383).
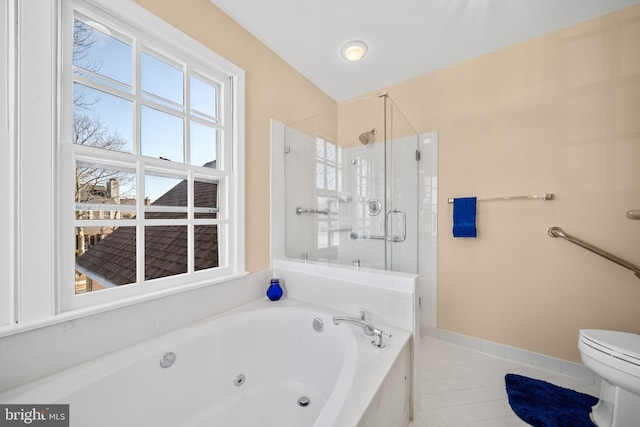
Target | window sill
(17,328)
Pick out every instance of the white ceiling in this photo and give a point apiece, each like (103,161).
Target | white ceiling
(406,38)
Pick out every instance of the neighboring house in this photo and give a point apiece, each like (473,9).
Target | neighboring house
(112,260)
(87,237)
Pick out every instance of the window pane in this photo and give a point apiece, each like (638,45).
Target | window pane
(162,135)
(102,55)
(165,191)
(204,143)
(165,251)
(320,175)
(203,98)
(161,79)
(323,234)
(102,120)
(320,148)
(206,246)
(331,152)
(331,178)
(206,199)
(105,257)
(165,197)
(98,186)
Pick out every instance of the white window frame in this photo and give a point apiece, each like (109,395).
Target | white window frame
(7,154)
(149,38)
(39,274)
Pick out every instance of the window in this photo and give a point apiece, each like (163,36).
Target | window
(328,191)
(365,187)
(149,161)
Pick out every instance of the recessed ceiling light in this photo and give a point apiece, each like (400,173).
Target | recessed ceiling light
(354,51)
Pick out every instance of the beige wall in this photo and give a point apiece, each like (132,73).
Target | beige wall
(273,90)
(561,114)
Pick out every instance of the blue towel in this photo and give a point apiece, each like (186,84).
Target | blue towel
(464,217)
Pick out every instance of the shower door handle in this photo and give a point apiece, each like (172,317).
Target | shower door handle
(403,236)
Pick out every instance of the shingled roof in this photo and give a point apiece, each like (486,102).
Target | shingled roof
(112,261)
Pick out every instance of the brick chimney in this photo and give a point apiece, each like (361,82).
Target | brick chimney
(113,190)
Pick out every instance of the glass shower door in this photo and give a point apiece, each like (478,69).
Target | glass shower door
(401,174)
(362,138)
(384,183)
(351,187)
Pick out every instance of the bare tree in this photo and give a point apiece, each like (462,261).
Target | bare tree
(84,38)
(93,184)
(88,129)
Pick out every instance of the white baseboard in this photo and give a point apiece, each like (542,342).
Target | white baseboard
(514,354)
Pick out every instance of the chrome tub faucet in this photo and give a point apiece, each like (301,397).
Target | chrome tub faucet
(367,328)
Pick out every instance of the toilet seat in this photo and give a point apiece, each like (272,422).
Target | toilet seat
(615,357)
(621,345)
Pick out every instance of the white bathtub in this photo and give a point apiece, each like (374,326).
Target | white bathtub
(272,347)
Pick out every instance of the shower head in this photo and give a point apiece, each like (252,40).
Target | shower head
(367,136)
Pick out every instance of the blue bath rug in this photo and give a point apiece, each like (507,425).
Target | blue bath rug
(543,404)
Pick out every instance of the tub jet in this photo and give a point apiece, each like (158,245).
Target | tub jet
(167,359)
(239,380)
(318,324)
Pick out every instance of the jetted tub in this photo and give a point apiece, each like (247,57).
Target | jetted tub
(261,365)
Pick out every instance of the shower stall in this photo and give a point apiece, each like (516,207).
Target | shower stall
(352,187)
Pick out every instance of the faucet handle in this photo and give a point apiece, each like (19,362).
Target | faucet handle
(377,338)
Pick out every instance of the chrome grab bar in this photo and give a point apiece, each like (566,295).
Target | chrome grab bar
(558,232)
(633,214)
(300,211)
(356,236)
(395,239)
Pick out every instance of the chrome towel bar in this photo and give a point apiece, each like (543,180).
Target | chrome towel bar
(543,196)
(558,232)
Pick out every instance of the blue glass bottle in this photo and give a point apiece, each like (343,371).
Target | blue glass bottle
(274,291)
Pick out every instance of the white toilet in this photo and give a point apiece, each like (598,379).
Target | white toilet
(615,357)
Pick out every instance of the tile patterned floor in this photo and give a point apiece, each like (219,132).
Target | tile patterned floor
(462,387)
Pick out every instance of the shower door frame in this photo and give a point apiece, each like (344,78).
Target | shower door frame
(401,192)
